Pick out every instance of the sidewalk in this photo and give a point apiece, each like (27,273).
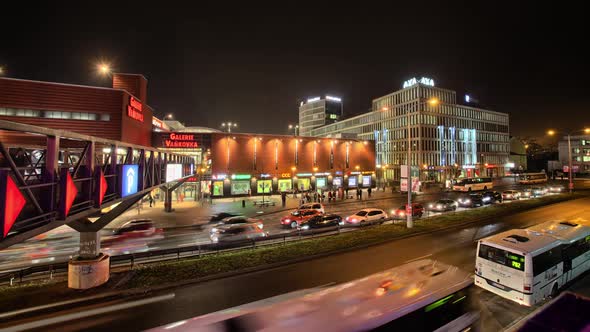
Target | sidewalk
(191,213)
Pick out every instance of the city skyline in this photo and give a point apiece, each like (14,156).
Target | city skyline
(255,66)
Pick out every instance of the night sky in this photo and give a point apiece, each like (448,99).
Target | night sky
(254,64)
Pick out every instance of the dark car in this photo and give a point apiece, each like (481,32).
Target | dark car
(400,213)
(471,200)
(136,229)
(222,215)
(490,197)
(443,205)
(319,221)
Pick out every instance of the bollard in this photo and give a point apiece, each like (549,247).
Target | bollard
(243,203)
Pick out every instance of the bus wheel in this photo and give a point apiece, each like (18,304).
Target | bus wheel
(554,291)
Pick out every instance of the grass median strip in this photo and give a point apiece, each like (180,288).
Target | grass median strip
(169,272)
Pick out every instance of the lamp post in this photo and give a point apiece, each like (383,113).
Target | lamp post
(295,129)
(228,126)
(552,132)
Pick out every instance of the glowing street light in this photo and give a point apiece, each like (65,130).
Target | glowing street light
(433,101)
(169,116)
(229,125)
(104,68)
(295,129)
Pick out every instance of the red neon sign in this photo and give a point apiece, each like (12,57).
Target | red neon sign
(11,204)
(181,141)
(135,109)
(102,187)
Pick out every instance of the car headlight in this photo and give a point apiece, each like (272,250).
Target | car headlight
(430,205)
(402,214)
(341,223)
(215,239)
(467,201)
(305,227)
(213,230)
(438,206)
(287,220)
(486,199)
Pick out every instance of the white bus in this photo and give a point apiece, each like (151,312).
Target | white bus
(423,295)
(530,265)
(473,184)
(532,178)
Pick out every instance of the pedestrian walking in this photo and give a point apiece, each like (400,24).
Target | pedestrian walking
(369,192)
(150,199)
(284,198)
(329,196)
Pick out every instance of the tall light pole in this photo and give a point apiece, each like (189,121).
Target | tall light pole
(569,153)
(409,220)
(295,129)
(228,126)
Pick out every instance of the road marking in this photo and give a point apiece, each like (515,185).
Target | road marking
(88,313)
(418,258)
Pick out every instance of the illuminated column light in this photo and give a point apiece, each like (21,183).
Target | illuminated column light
(276,154)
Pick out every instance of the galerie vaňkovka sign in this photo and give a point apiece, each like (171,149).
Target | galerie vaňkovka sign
(186,141)
(135,109)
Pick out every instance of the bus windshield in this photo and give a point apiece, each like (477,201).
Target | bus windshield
(502,257)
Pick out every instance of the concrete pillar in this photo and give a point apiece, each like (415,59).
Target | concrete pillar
(91,268)
(168,201)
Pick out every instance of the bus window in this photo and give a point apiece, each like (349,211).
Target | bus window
(502,257)
(546,260)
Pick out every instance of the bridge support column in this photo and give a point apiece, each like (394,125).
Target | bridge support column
(91,268)
(168,200)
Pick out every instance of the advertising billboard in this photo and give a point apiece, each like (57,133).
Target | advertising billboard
(285,185)
(264,186)
(240,187)
(129,179)
(173,172)
(217,188)
(320,183)
(366,180)
(352,181)
(337,182)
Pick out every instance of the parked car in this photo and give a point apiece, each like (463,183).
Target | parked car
(511,195)
(366,215)
(490,197)
(241,220)
(471,200)
(137,229)
(236,232)
(313,206)
(443,205)
(400,213)
(556,188)
(222,215)
(325,220)
(295,218)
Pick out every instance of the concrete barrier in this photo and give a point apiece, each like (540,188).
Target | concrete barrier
(88,273)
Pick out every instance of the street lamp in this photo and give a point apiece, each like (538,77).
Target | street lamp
(295,129)
(104,68)
(169,116)
(433,101)
(229,125)
(552,132)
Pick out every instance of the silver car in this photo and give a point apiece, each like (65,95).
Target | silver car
(236,232)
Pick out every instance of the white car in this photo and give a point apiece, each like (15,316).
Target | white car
(236,232)
(313,206)
(366,215)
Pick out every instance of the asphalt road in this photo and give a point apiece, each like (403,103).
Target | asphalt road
(451,246)
(63,243)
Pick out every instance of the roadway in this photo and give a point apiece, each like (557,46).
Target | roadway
(61,244)
(456,247)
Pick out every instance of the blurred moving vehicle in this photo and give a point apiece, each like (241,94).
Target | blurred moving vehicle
(423,295)
(222,215)
(443,205)
(539,191)
(511,195)
(366,215)
(471,200)
(527,193)
(136,229)
(313,206)
(491,197)
(400,213)
(555,188)
(530,265)
(241,220)
(532,178)
(295,218)
(236,232)
(319,221)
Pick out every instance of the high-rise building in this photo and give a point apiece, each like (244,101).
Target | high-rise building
(448,139)
(580,145)
(317,112)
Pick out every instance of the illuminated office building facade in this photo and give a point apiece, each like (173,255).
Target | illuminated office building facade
(448,139)
(317,112)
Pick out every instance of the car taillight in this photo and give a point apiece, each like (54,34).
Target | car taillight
(527,288)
